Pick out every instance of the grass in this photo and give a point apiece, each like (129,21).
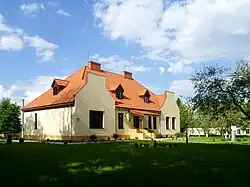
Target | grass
(215,139)
(119,164)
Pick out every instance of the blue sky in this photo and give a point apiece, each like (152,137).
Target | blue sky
(159,41)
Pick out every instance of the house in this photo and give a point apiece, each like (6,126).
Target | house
(92,101)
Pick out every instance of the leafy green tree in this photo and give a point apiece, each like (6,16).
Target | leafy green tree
(9,116)
(219,90)
(186,115)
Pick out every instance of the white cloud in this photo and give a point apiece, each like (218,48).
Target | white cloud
(53,3)
(116,63)
(63,13)
(193,30)
(15,39)
(182,87)
(4,92)
(32,8)
(4,28)
(44,49)
(38,42)
(179,67)
(154,89)
(11,42)
(162,70)
(28,90)
(66,59)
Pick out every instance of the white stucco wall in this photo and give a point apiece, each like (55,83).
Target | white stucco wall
(170,109)
(94,96)
(51,123)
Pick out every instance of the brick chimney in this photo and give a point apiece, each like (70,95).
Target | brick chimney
(94,66)
(127,75)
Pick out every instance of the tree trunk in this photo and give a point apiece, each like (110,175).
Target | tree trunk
(186,136)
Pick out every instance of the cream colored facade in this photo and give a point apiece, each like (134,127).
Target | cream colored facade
(51,123)
(72,123)
(169,109)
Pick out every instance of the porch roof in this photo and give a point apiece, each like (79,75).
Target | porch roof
(144,112)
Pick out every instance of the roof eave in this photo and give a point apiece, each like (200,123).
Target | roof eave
(50,106)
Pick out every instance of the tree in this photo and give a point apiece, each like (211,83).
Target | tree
(186,115)
(9,116)
(205,121)
(219,90)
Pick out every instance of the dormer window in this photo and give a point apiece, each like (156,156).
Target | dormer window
(119,92)
(146,99)
(58,85)
(144,95)
(55,90)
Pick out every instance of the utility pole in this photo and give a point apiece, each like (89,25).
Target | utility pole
(22,119)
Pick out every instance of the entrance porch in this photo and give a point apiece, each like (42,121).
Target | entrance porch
(145,124)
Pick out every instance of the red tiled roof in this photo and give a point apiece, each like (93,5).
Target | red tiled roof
(77,80)
(161,98)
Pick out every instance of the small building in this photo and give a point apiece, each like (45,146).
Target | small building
(92,101)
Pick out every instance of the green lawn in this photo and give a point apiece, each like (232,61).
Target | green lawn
(118,164)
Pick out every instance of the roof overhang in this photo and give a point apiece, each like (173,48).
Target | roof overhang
(50,106)
(144,112)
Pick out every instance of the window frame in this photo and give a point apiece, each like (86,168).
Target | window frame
(167,122)
(120,123)
(93,118)
(146,99)
(35,122)
(119,92)
(173,121)
(55,90)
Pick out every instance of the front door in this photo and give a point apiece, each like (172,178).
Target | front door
(136,122)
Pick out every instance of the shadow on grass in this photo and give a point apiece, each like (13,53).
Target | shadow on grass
(118,164)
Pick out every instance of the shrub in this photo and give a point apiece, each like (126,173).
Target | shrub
(213,140)
(21,140)
(115,136)
(93,137)
(136,145)
(223,139)
(238,139)
(177,135)
(244,139)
